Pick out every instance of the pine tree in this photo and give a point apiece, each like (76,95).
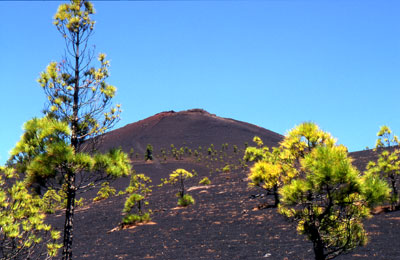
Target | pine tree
(328,198)
(178,178)
(134,208)
(23,232)
(79,97)
(388,164)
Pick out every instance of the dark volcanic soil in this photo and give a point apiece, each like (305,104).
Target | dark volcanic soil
(192,128)
(225,222)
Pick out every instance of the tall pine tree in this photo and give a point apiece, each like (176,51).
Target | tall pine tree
(80,98)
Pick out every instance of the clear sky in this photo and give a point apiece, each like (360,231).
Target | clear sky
(273,63)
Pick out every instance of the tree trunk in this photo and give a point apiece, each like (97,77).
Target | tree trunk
(395,192)
(317,244)
(69,219)
(319,251)
(276,196)
(71,189)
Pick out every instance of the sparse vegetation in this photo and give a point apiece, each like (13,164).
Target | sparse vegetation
(205,181)
(105,191)
(186,200)
(328,198)
(60,148)
(178,177)
(148,156)
(51,201)
(388,164)
(23,231)
(134,208)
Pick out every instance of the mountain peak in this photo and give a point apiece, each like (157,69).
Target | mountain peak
(192,128)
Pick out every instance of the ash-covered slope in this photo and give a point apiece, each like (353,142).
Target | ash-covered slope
(191,128)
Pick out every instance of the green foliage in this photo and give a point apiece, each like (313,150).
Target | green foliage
(205,181)
(303,139)
(132,219)
(138,190)
(328,199)
(149,153)
(271,169)
(59,150)
(51,201)
(105,191)
(45,155)
(235,148)
(23,232)
(186,200)
(226,169)
(178,177)
(388,164)
(131,153)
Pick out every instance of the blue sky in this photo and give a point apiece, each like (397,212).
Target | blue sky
(271,63)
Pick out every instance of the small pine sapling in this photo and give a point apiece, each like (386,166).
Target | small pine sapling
(51,201)
(148,156)
(388,164)
(131,153)
(178,177)
(134,207)
(226,169)
(205,181)
(105,191)
(235,148)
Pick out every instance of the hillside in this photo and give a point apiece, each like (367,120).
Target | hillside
(226,222)
(191,128)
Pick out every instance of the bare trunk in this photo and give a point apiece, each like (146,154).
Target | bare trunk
(69,219)
(318,245)
(395,193)
(276,196)
(319,251)
(71,189)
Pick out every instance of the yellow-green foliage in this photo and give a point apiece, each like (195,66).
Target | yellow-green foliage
(43,151)
(79,97)
(303,138)
(178,177)
(330,199)
(132,219)
(104,192)
(51,201)
(23,232)
(186,200)
(265,175)
(271,169)
(205,181)
(138,190)
(226,168)
(388,164)
(62,192)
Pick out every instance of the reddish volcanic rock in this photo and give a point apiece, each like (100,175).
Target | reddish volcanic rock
(191,128)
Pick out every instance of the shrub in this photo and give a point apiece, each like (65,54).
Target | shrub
(138,190)
(104,192)
(186,200)
(205,181)
(132,219)
(178,177)
(226,169)
(149,153)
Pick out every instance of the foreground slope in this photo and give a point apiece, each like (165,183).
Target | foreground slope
(226,222)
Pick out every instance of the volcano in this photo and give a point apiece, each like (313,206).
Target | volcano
(226,222)
(191,128)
